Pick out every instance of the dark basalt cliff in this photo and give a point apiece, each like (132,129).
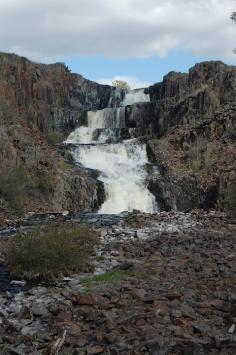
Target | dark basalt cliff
(39,105)
(49,96)
(183,99)
(192,121)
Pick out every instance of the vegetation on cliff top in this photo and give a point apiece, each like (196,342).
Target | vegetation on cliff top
(121,84)
(233,18)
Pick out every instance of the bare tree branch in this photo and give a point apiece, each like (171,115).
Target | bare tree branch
(233,16)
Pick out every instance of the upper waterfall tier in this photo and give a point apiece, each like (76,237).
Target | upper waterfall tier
(107,118)
(104,126)
(108,125)
(120,98)
(135,96)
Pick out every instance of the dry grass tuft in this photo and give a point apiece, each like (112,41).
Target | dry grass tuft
(44,254)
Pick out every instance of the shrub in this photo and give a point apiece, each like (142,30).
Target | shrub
(13,183)
(5,111)
(64,166)
(202,155)
(44,183)
(121,84)
(230,200)
(55,137)
(60,249)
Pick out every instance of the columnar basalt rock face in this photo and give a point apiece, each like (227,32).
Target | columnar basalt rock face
(49,96)
(39,105)
(197,164)
(192,118)
(185,98)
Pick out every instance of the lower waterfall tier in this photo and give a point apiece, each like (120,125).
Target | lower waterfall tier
(122,169)
(122,164)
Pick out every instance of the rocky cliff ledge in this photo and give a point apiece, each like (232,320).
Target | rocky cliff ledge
(49,97)
(192,121)
(182,99)
(39,105)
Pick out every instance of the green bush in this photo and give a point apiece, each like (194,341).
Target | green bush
(5,111)
(202,156)
(230,199)
(43,254)
(13,183)
(44,183)
(54,137)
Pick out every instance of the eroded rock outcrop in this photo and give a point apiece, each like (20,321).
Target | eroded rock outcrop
(185,98)
(197,164)
(39,105)
(49,96)
(192,118)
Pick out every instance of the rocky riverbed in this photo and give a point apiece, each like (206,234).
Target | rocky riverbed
(162,284)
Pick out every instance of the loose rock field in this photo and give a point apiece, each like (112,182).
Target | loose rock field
(162,284)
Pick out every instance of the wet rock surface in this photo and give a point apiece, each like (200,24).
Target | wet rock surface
(174,293)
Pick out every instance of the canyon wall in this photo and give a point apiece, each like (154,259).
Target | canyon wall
(39,105)
(183,99)
(191,122)
(49,97)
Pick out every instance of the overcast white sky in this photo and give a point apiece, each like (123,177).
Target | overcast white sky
(49,30)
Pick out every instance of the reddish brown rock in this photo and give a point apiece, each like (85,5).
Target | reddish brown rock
(84,300)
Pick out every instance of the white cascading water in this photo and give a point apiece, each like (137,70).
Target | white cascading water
(122,166)
(135,96)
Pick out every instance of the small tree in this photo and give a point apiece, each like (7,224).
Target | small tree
(121,84)
(233,18)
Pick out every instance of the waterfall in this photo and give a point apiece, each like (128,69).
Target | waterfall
(104,126)
(135,96)
(107,118)
(122,165)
